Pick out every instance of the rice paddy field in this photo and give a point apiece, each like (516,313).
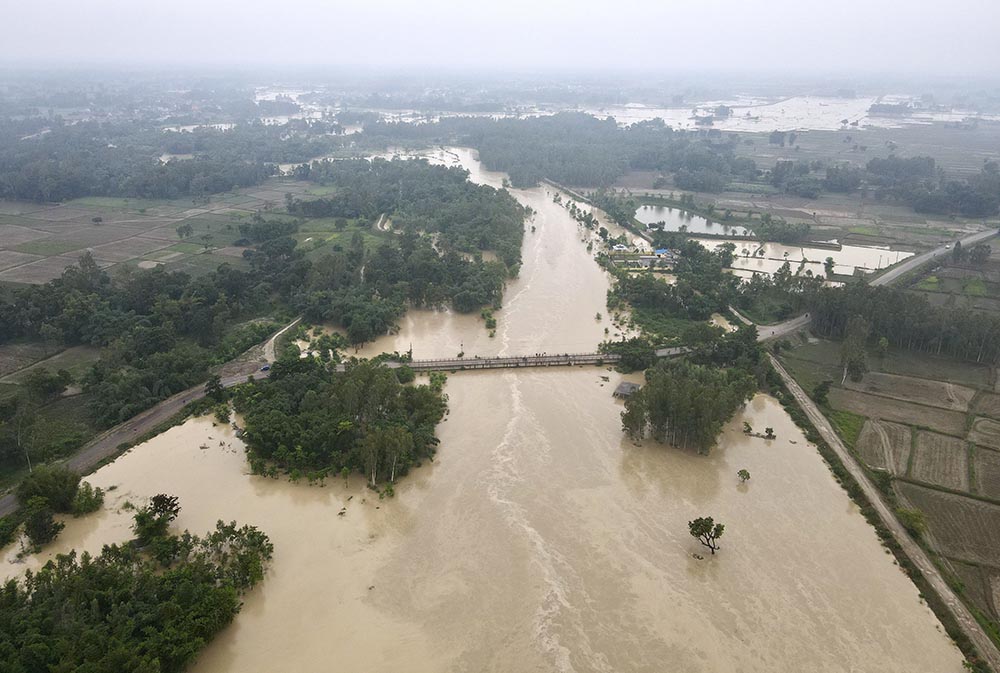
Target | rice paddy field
(932,425)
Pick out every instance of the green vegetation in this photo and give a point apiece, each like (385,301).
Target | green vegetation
(420,197)
(409,270)
(121,159)
(686,404)
(907,321)
(848,425)
(310,420)
(706,531)
(161,332)
(127,609)
(578,149)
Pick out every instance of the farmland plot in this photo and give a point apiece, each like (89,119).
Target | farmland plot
(923,391)
(874,406)
(941,460)
(987,404)
(885,445)
(966,529)
(986,466)
(986,431)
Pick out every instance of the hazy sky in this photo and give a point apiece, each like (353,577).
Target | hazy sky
(903,36)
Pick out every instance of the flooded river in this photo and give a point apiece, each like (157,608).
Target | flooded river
(539,539)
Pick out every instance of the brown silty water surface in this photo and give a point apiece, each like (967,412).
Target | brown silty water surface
(540,539)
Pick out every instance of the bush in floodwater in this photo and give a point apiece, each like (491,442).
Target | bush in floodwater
(88,499)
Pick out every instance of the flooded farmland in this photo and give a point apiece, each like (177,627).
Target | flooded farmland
(540,539)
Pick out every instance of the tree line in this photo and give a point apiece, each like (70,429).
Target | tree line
(122,159)
(576,148)
(907,321)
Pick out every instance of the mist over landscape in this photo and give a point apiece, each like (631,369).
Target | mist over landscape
(446,336)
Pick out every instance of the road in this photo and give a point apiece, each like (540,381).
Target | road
(766,332)
(987,650)
(918,260)
(106,445)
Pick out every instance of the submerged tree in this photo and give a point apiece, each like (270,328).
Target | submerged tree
(706,531)
(744,475)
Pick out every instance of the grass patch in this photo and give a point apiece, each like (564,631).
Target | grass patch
(847,424)
(974,287)
(76,360)
(864,230)
(928,283)
(186,248)
(660,326)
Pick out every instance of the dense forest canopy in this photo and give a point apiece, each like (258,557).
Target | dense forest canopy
(908,321)
(310,419)
(576,148)
(65,161)
(420,197)
(124,610)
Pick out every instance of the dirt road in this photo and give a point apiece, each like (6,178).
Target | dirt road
(105,445)
(987,650)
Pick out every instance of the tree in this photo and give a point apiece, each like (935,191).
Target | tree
(821,392)
(828,266)
(744,475)
(39,524)
(769,433)
(957,253)
(184,230)
(56,484)
(853,357)
(214,389)
(882,348)
(153,520)
(980,254)
(706,531)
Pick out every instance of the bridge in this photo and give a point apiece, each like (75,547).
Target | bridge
(517,361)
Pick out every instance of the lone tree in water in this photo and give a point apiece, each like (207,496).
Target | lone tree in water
(744,475)
(706,531)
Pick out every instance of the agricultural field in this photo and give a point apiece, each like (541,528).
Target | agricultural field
(885,446)
(899,411)
(857,218)
(986,468)
(932,424)
(966,282)
(922,391)
(985,431)
(940,460)
(76,360)
(986,404)
(966,529)
(38,241)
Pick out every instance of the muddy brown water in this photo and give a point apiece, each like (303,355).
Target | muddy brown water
(539,539)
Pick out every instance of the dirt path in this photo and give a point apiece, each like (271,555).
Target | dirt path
(104,446)
(987,650)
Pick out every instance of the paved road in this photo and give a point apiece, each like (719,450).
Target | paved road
(106,445)
(987,650)
(766,332)
(918,260)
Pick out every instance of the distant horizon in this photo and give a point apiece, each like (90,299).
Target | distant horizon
(853,38)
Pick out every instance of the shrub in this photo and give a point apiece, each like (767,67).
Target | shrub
(39,524)
(913,521)
(88,499)
(56,484)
